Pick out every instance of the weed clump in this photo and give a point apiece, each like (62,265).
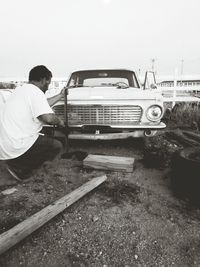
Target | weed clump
(184,115)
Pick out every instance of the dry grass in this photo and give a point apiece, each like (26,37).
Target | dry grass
(184,114)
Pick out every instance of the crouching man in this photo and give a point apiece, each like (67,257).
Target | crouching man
(22,118)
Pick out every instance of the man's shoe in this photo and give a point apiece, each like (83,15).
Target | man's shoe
(14,173)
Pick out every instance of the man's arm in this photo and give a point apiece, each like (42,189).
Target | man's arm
(54,99)
(51,119)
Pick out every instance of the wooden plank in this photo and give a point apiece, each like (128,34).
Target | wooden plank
(113,163)
(25,228)
(181,138)
(193,135)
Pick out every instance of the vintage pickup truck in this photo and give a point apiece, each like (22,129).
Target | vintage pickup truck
(109,104)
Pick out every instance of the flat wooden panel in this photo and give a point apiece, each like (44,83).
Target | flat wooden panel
(109,163)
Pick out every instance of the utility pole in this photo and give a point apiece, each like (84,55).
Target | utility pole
(152,63)
(181,81)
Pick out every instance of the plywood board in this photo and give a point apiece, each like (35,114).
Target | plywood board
(113,163)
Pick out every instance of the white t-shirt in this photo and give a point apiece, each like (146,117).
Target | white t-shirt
(19,126)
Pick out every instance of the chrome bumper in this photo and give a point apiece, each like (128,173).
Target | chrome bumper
(137,133)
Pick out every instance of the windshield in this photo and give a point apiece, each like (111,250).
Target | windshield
(122,78)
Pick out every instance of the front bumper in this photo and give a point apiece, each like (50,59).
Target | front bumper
(111,136)
(141,131)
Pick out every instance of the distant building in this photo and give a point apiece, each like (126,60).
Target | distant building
(184,81)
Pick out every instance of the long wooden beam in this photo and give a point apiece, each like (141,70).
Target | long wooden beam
(25,228)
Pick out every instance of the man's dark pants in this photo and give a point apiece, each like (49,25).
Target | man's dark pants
(45,148)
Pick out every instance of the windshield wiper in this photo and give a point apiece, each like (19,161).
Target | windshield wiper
(121,85)
(106,84)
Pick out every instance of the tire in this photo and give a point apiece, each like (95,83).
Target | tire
(185,174)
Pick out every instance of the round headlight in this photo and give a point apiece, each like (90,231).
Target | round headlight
(154,113)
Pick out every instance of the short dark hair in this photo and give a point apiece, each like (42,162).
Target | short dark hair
(38,73)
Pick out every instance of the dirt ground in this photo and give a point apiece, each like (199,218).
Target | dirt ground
(132,219)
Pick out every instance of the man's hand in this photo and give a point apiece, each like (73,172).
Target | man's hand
(52,119)
(61,123)
(62,92)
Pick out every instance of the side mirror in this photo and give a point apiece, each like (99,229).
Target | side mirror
(150,80)
(153,86)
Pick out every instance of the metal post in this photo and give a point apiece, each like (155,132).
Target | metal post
(66,121)
(175,88)
(181,82)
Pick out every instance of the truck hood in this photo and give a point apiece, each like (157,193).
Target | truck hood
(112,93)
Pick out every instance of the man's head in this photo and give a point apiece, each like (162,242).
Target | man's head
(41,77)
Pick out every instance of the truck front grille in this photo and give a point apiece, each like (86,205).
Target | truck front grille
(100,115)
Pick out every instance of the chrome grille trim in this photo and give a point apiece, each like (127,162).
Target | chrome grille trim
(100,115)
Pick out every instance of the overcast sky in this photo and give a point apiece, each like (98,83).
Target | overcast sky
(67,35)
